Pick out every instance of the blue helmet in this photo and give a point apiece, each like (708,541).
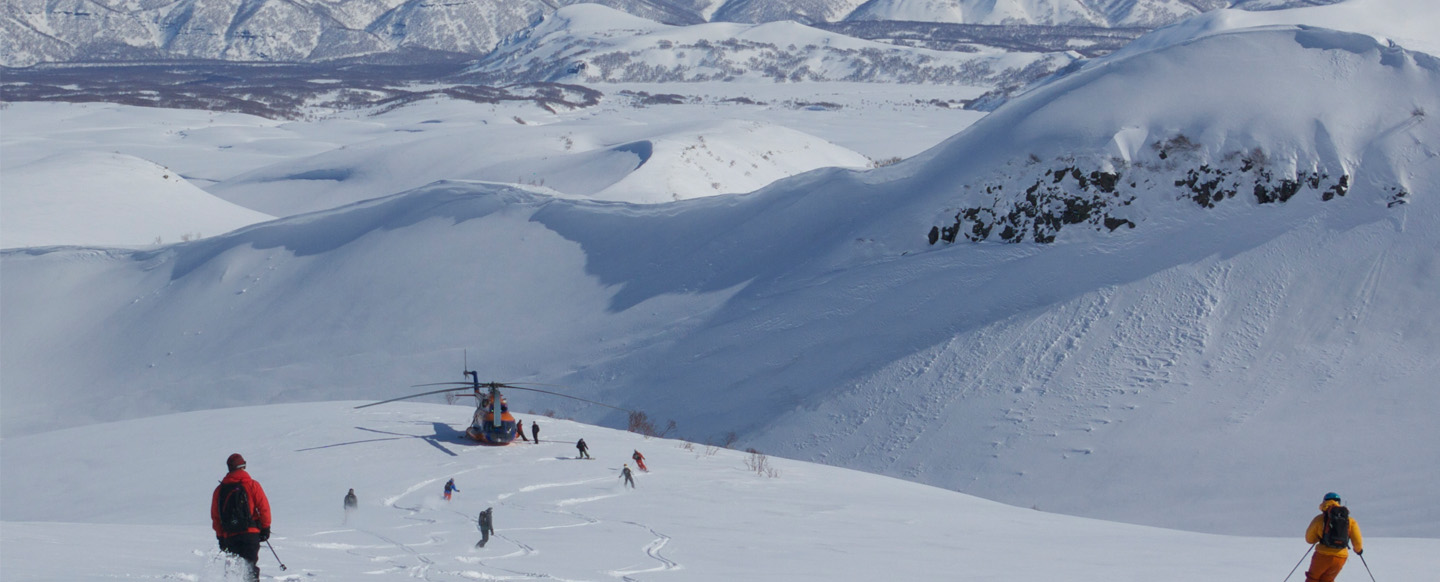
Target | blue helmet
(1332,495)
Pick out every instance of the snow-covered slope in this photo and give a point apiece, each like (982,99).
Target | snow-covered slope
(1410,23)
(135,497)
(97,199)
(628,163)
(590,44)
(1236,308)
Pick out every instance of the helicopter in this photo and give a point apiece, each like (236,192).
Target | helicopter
(492,423)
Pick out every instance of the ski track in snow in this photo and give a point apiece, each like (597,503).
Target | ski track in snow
(652,550)
(422,565)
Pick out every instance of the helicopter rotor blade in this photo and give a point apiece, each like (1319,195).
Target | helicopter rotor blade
(412,396)
(444,384)
(568,396)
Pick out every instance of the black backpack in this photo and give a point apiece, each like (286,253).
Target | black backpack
(1336,532)
(235,515)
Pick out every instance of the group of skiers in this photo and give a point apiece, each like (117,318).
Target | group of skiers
(240,511)
(625,473)
(240,515)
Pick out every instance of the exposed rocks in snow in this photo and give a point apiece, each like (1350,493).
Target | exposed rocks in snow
(1099,197)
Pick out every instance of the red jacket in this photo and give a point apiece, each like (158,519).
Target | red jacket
(259,504)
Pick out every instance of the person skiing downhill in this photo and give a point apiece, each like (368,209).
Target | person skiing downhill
(639,460)
(583,448)
(628,476)
(486,523)
(351,503)
(450,488)
(240,515)
(1330,533)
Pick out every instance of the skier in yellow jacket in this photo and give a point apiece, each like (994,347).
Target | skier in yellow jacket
(1331,532)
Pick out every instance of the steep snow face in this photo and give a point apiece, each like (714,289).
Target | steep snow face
(1248,334)
(1206,147)
(592,44)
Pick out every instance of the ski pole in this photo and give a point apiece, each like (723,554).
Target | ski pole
(277,556)
(1297,564)
(1367,567)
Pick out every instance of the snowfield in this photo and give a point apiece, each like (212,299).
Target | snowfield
(134,497)
(1148,310)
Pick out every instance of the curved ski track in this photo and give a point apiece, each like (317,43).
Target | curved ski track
(425,565)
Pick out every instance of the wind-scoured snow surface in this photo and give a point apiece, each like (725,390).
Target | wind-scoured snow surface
(1235,310)
(134,500)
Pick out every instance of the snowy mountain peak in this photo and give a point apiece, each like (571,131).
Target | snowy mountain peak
(1169,135)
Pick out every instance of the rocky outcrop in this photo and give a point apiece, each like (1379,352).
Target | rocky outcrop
(1102,198)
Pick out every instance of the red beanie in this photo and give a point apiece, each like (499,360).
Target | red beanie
(235,462)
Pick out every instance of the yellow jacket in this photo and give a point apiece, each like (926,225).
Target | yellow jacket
(1317,528)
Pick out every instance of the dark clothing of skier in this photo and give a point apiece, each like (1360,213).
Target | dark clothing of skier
(486,524)
(351,503)
(583,448)
(246,547)
(243,540)
(535,432)
(628,476)
(450,488)
(520,430)
(639,461)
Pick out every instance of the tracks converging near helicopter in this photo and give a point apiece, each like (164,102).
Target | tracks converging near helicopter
(431,552)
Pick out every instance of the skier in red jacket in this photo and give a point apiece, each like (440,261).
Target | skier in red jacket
(240,515)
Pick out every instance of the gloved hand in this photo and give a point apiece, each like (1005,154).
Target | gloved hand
(264,534)
(1359,552)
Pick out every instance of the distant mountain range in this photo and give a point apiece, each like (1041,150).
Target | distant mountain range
(587,44)
(45,31)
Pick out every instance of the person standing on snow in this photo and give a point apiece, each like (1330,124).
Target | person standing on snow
(628,476)
(240,515)
(486,523)
(1331,532)
(639,460)
(583,448)
(520,429)
(535,432)
(450,488)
